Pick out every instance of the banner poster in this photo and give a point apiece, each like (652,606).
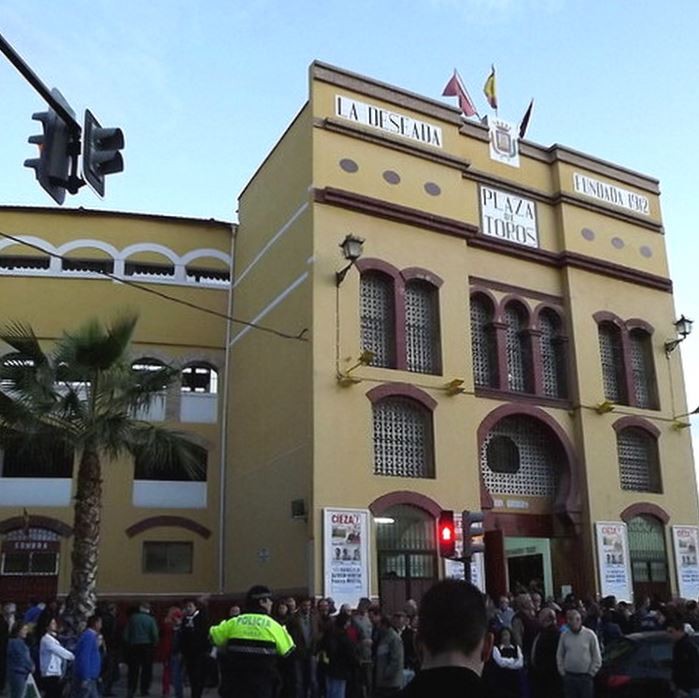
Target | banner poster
(613,560)
(346,555)
(454,569)
(686,543)
(504,141)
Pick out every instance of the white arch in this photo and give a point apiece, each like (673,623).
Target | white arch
(97,244)
(148,247)
(206,252)
(31,240)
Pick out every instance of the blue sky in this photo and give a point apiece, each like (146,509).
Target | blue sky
(203,90)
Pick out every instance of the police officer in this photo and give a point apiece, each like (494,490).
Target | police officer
(250,647)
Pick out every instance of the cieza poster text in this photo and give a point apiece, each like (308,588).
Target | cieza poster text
(686,541)
(613,560)
(346,554)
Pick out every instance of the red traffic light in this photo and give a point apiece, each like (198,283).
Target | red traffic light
(446,534)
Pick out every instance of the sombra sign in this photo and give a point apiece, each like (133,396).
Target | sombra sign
(508,217)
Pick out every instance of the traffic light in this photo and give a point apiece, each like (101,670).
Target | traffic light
(447,534)
(101,154)
(472,523)
(53,164)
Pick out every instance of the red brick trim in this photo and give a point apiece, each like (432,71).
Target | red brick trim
(430,277)
(638,422)
(568,498)
(170,521)
(47,522)
(647,508)
(386,501)
(607,316)
(394,212)
(513,299)
(478,282)
(556,310)
(402,390)
(635,323)
(374,264)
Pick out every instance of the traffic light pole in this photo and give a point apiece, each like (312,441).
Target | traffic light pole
(33,79)
(74,182)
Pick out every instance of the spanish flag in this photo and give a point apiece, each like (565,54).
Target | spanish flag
(489,89)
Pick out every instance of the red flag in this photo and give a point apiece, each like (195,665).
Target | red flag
(525,119)
(455,88)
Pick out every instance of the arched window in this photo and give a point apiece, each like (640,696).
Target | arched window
(403,443)
(199,394)
(553,355)
(155,410)
(521,456)
(612,357)
(643,370)
(483,344)
(639,467)
(519,369)
(422,327)
(199,378)
(378,318)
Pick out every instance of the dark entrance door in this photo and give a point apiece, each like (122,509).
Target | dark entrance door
(522,569)
(648,558)
(407,555)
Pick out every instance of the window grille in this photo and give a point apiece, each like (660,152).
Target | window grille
(95,266)
(483,348)
(539,459)
(422,327)
(553,360)
(647,549)
(639,469)
(642,367)
(402,439)
(18,262)
(412,529)
(612,357)
(378,318)
(519,376)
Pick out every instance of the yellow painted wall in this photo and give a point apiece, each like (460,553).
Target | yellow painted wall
(167,331)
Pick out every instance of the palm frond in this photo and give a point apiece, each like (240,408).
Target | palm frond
(96,347)
(21,337)
(164,449)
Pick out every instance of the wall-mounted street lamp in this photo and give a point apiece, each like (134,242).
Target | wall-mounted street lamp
(684,329)
(678,425)
(352,248)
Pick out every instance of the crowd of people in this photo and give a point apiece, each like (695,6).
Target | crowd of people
(524,646)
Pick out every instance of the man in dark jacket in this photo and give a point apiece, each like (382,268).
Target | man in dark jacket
(194,645)
(452,633)
(546,681)
(140,638)
(685,661)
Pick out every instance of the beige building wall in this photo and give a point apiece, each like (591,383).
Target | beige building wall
(55,301)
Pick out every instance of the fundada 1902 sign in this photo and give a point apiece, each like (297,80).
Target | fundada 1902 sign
(508,217)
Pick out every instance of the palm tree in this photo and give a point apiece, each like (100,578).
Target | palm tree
(82,397)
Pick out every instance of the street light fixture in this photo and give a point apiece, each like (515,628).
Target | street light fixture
(352,248)
(683,326)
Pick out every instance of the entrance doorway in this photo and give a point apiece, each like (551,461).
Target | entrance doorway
(29,565)
(529,565)
(648,558)
(406,543)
